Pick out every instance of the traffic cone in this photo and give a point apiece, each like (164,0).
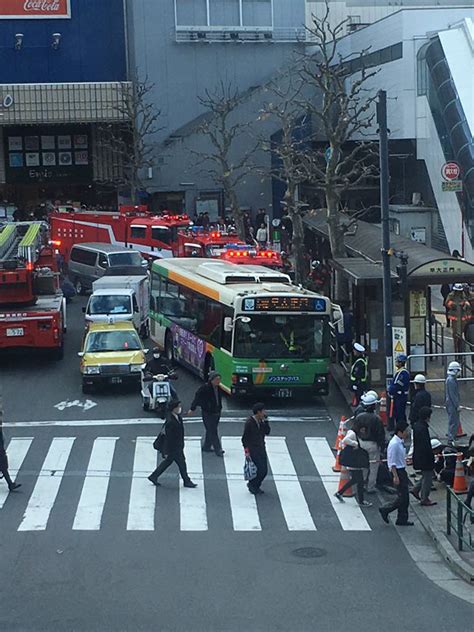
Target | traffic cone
(460,432)
(383,408)
(345,476)
(340,433)
(459,484)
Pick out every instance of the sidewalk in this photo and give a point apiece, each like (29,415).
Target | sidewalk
(433,519)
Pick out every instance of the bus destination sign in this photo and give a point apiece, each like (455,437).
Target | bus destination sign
(284,304)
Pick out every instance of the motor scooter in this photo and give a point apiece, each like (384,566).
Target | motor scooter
(158,396)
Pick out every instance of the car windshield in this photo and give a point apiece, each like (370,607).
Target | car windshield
(103,341)
(110,305)
(269,336)
(125,259)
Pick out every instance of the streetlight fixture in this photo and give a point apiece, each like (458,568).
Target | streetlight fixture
(18,41)
(56,41)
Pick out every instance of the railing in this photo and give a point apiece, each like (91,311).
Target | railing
(339,353)
(460,520)
(435,337)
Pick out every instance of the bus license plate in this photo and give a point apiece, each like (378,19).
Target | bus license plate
(284,392)
(15,331)
(116,380)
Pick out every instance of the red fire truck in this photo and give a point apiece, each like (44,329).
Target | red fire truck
(219,244)
(32,307)
(131,226)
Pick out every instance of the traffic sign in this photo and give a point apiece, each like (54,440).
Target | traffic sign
(450,171)
(399,341)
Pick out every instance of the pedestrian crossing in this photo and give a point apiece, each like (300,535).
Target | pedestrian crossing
(145,506)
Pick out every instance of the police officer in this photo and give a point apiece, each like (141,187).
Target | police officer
(359,373)
(398,391)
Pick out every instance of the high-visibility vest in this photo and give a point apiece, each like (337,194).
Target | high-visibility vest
(365,364)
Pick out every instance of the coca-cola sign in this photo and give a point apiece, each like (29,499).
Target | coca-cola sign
(27,9)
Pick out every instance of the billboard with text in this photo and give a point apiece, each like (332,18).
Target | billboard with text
(42,9)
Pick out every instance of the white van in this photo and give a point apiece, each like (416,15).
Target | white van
(120,298)
(89,262)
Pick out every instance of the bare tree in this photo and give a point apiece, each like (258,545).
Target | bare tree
(342,110)
(224,131)
(293,159)
(130,142)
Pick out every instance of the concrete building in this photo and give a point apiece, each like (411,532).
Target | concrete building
(61,67)
(422,55)
(186,47)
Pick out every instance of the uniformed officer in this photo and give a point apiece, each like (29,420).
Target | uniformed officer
(398,391)
(359,373)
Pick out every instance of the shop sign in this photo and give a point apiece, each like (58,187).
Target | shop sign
(31,9)
(6,102)
(451,186)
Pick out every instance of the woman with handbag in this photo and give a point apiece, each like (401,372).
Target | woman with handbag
(355,459)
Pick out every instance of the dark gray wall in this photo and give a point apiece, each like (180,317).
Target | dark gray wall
(181,71)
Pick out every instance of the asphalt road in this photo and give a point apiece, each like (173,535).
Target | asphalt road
(188,560)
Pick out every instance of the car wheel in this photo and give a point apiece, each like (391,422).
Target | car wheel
(86,388)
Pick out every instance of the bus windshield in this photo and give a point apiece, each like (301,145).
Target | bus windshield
(269,336)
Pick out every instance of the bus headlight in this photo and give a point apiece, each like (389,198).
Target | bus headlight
(240,379)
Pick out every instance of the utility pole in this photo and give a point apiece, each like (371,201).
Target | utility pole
(384,187)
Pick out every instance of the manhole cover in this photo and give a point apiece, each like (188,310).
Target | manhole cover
(309,552)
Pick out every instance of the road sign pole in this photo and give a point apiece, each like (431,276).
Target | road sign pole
(384,205)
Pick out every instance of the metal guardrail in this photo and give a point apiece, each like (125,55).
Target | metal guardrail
(460,520)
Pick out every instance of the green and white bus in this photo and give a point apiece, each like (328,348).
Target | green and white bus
(264,335)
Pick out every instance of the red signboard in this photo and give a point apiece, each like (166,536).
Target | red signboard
(450,171)
(26,9)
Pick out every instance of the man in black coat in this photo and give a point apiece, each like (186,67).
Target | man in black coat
(423,458)
(174,448)
(209,398)
(4,460)
(253,439)
(421,398)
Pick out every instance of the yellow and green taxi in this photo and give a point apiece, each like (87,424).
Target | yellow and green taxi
(111,354)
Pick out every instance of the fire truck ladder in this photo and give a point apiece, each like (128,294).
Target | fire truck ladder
(20,241)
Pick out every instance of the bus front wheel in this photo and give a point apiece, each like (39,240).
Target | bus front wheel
(209,365)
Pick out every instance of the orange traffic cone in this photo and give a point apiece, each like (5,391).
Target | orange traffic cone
(460,484)
(340,433)
(383,408)
(345,476)
(460,432)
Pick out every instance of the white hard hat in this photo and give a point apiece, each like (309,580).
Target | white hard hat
(373,394)
(459,287)
(435,443)
(359,347)
(419,378)
(369,399)
(454,366)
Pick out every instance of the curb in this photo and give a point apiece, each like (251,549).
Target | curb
(460,567)
(444,547)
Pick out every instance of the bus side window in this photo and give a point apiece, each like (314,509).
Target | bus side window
(226,342)
(155,292)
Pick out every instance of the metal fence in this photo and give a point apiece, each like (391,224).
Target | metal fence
(460,520)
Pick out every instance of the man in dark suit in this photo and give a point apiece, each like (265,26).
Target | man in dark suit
(209,398)
(423,457)
(174,446)
(4,459)
(253,439)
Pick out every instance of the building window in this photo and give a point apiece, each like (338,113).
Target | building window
(223,13)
